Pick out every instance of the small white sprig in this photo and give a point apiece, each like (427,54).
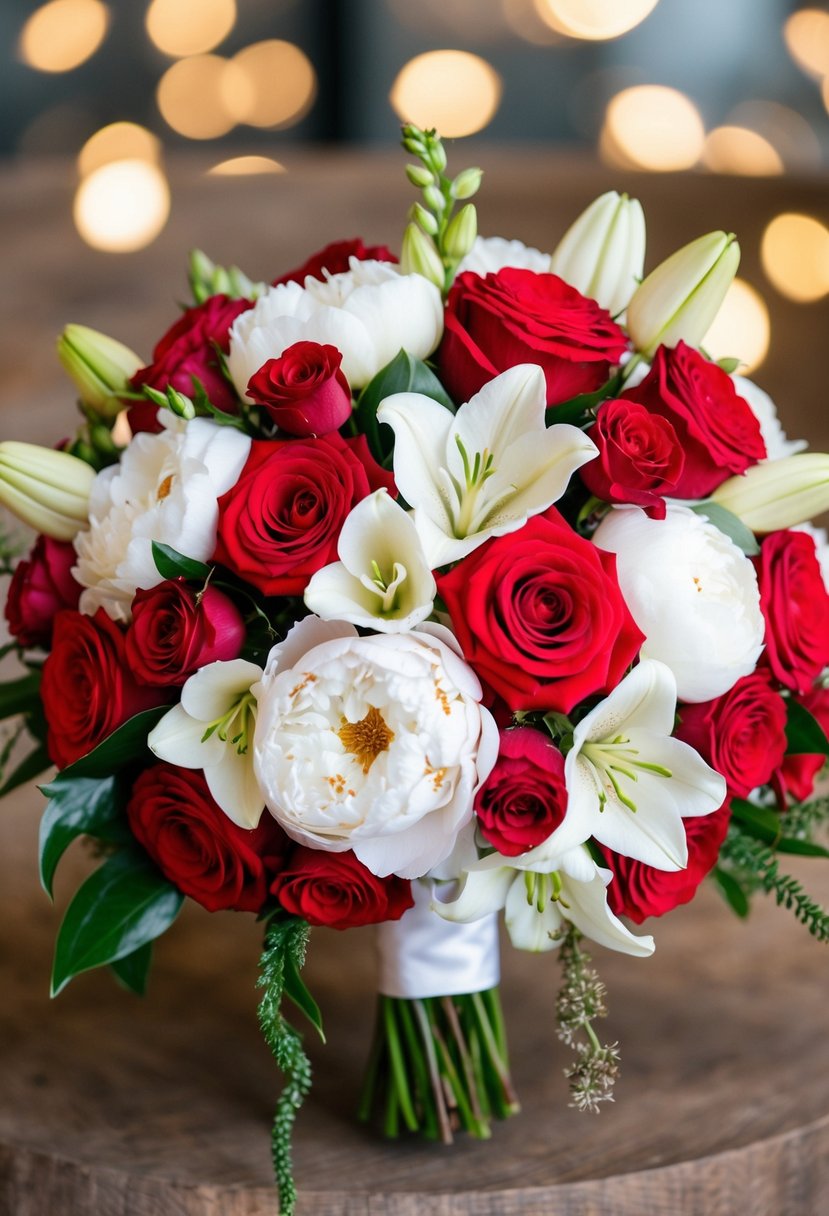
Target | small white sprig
(580,1001)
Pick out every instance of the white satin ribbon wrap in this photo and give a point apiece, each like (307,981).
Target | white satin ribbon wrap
(423,955)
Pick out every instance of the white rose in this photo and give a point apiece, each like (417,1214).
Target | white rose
(165,488)
(492,253)
(369,313)
(375,744)
(765,411)
(693,594)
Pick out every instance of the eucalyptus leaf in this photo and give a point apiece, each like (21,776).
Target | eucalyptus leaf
(132,971)
(729,525)
(804,734)
(171,564)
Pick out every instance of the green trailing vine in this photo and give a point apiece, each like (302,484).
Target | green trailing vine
(581,999)
(754,866)
(804,819)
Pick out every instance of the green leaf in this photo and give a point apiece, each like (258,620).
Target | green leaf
(729,364)
(759,821)
(78,806)
(20,696)
(805,848)
(128,742)
(123,905)
(171,564)
(804,733)
(29,767)
(733,892)
(729,525)
(132,971)
(581,410)
(296,989)
(403,375)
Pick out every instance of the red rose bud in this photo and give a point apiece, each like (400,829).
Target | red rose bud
(717,430)
(176,630)
(335,259)
(540,617)
(798,772)
(304,390)
(41,586)
(172,814)
(795,605)
(639,891)
(640,458)
(524,798)
(87,688)
(518,316)
(336,890)
(741,734)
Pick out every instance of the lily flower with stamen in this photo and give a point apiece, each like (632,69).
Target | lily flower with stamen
(212,729)
(484,471)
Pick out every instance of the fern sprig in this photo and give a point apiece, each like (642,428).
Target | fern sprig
(755,864)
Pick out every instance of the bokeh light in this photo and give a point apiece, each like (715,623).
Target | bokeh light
(732,149)
(122,206)
(524,20)
(652,127)
(594,19)
(118,141)
(63,34)
(277,84)
(795,256)
(806,33)
(202,97)
(243,166)
(189,27)
(741,328)
(789,133)
(455,91)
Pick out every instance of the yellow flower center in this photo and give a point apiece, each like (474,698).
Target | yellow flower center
(367,738)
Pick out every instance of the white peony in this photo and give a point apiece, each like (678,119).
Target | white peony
(765,411)
(492,253)
(693,594)
(165,488)
(369,313)
(375,744)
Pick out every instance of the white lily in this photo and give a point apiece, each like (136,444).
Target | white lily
(212,729)
(602,254)
(382,580)
(538,901)
(486,470)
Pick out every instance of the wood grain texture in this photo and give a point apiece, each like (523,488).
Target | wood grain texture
(113,1106)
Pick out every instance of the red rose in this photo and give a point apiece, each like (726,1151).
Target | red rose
(639,891)
(798,772)
(188,352)
(640,458)
(336,890)
(517,316)
(281,521)
(176,630)
(172,814)
(335,259)
(524,798)
(795,605)
(741,734)
(717,429)
(40,587)
(87,688)
(540,617)
(304,390)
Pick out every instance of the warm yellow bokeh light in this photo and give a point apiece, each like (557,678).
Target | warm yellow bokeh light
(122,206)
(741,329)
(201,97)
(795,256)
(63,34)
(189,27)
(807,37)
(740,150)
(278,84)
(652,127)
(454,91)
(789,133)
(594,20)
(243,166)
(118,141)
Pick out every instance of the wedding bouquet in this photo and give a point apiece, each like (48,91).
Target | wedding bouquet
(404,593)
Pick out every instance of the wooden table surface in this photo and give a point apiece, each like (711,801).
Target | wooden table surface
(113,1106)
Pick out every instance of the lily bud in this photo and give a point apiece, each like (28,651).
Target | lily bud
(679,300)
(207,279)
(778,493)
(423,218)
(602,254)
(419,256)
(461,233)
(419,176)
(467,183)
(46,489)
(100,368)
(434,199)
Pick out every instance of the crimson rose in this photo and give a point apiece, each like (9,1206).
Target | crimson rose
(335,258)
(798,772)
(795,604)
(640,458)
(87,688)
(194,844)
(540,617)
(517,316)
(175,631)
(281,521)
(524,798)
(304,390)
(335,889)
(717,429)
(741,734)
(639,891)
(41,586)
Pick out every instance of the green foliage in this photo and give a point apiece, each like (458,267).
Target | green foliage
(729,525)
(171,564)
(403,375)
(580,1002)
(133,969)
(767,825)
(31,766)
(20,696)
(751,865)
(804,734)
(581,410)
